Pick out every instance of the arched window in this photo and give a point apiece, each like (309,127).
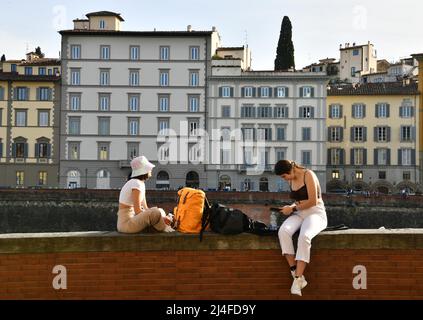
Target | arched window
(162,180)
(73,179)
(103,179)
(192,180)
(264,184)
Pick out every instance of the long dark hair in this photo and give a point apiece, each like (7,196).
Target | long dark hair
(285,167)
(142,177)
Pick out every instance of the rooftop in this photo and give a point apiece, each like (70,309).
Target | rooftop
(105,14)
(363,89)
(84,32)
(22,77)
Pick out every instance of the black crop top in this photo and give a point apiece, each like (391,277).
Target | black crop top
(301,194)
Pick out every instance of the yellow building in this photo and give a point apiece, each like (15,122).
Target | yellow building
(372,137)
(29,122)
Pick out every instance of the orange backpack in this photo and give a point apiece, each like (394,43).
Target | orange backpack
(188,213)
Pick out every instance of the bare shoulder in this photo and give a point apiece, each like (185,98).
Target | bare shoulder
(311,176)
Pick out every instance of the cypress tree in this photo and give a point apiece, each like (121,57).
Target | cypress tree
(285,51)
(3,58)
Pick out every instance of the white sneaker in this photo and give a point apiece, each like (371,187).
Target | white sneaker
(297,285)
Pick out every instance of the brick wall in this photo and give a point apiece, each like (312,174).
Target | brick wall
(240,267)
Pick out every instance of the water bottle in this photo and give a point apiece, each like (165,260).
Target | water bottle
(273,220)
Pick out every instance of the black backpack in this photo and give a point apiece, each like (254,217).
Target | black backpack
(224,220)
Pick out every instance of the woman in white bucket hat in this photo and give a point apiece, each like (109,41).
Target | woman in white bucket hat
(134,214)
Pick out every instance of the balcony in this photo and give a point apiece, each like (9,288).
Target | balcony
(255,167)
(124,163)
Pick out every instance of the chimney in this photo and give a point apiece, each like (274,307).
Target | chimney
(189,28)
(214,29)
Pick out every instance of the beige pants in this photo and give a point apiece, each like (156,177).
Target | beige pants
(128,222)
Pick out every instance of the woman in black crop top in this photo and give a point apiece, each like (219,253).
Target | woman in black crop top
(307,213)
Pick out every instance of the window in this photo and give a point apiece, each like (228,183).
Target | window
(358,157)
(43,118)
(359,175)
(335,111)
(75,101)
(280,154)
(22,94)
(42,150)
(248,134)
(20,176)
(265,92)
(1,93)
(405,157)
(44,94)
(104,77)
(193,126)
(264,111)
(74,151)
(335,134)
(163,127)
(164,52)
(75,52)
(28,71)
(307,92)
(74,125)
(163,153)
(281,133)
(103,151)
(356,52)
(226,156)
(194,153)
(13,67)
(306,134)
(102,24)
(226,111)
(406,175)
(133,150)
(353,71)
(42,71)
(50,72)
(104,126)
(382,175)
(248,156)
(194,78)
(264,134)
(164,78)
(281,112)
(382,157)
(104,101)
(406,110)
(248,111)
(193,103)
(21,118)
(75,77)
(133,125)
(382,134)
(382,110)
(358,111)
(56,71)
(134,52)
(134,102)
(406,133)
(281,92)
(164,103)
(306,157)
(306,112)
(20,150)
(42,178)
(336,157)
(335,174)
(226,92)
(248,92)
(358,134)
(194,53)
(134,77)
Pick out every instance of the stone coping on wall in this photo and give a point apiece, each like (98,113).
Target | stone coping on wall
(106,241)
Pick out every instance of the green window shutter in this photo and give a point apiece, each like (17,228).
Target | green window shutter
(49,150)
(388,156)
(312,92)
(232,92)
(329,157)
(375,154)
(220,92)
(26,150)
(301,92)
(37,150)
(399,157)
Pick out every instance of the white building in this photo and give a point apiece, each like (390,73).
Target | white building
(120,89)
(356,61)
(263,117)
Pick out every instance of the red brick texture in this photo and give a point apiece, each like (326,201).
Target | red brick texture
(214,274)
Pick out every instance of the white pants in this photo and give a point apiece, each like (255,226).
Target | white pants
(311,221)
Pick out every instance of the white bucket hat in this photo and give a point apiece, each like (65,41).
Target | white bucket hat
(140,165)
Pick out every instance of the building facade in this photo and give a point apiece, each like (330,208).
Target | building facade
(259,118)
(29,122)
(127,93)
(372,137)
(357,60)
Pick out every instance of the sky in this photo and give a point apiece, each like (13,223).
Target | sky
(319,26)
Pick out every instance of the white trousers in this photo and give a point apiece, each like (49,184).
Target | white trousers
(311,221)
